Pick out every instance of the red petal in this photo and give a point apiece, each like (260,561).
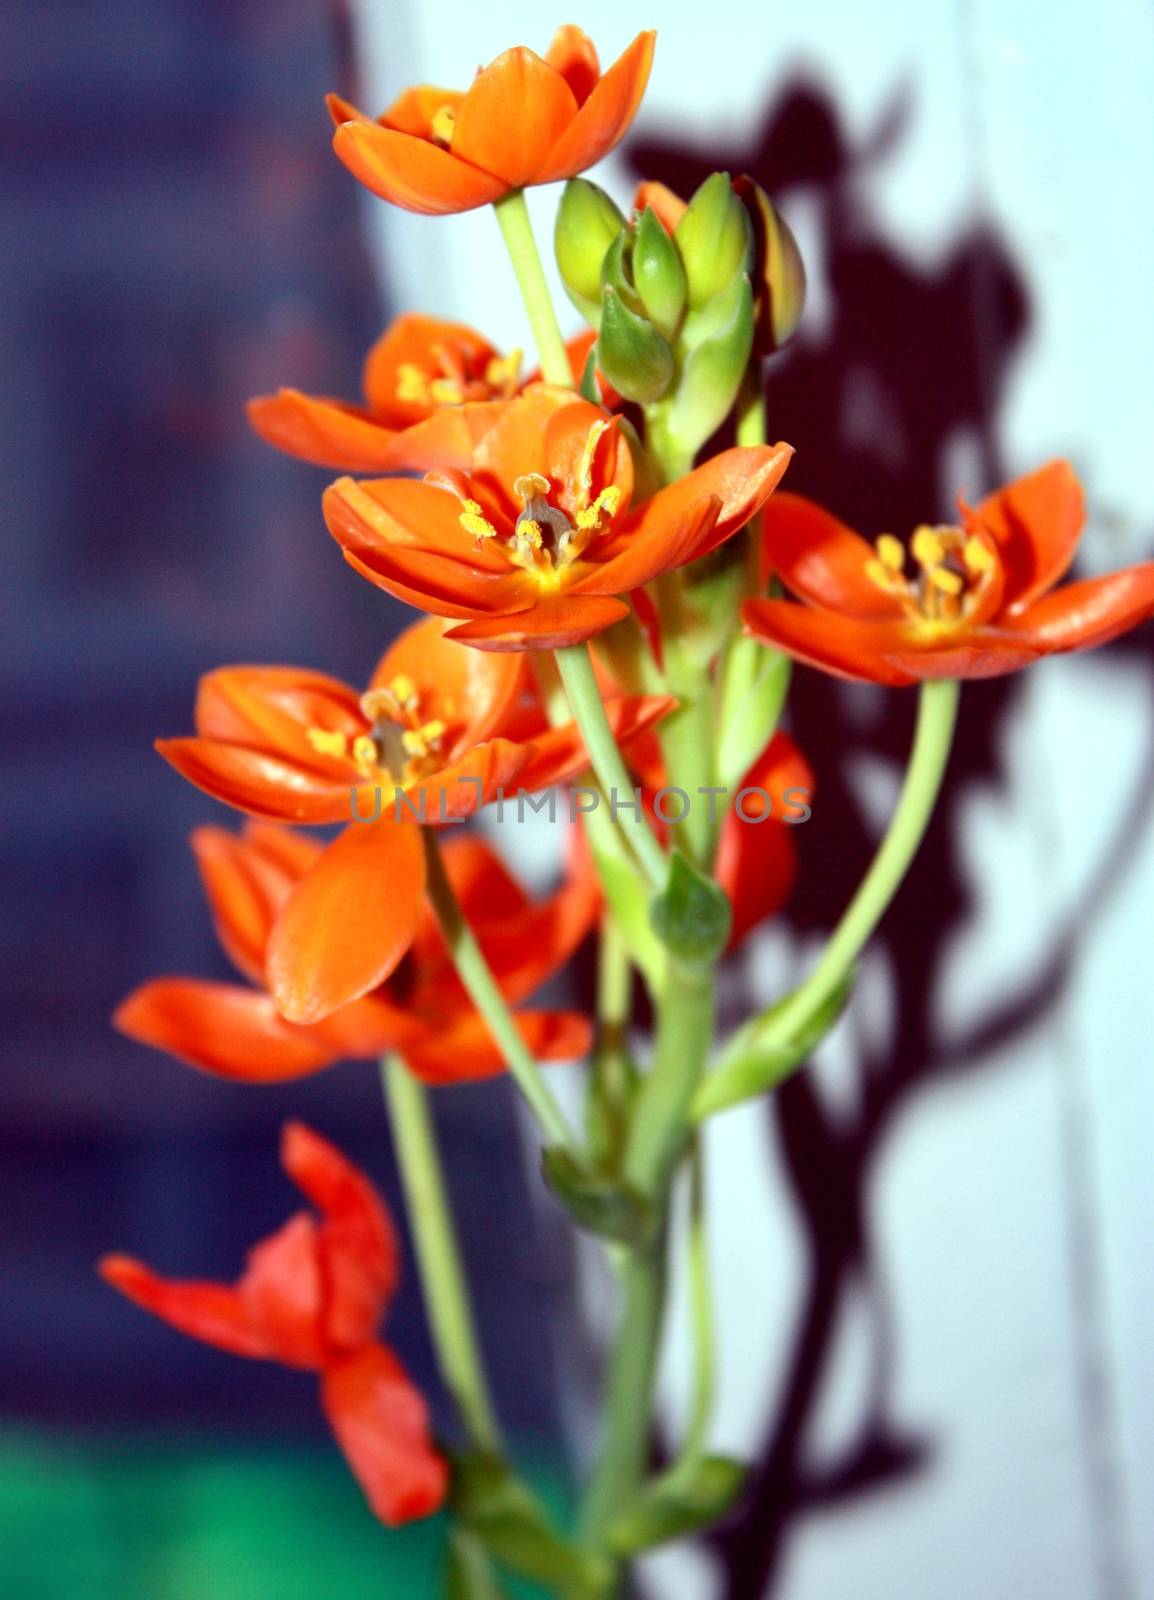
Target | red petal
(465,1052)
(820,559)
(559,620)
(1036,523)
(349,921)
(282,1290)
(222,1029)
(414,173)
(357,1244)
(381,1424)
(1081,616)
(208,1311)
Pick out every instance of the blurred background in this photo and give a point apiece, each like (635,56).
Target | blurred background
(932,1250)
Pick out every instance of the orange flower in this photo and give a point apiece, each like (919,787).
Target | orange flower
(312,1295)
(432,389)
(532,546)
(978,603)
(423,743)
(235,1030)
(522,121)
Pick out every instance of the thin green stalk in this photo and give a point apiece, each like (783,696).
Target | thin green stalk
(622,1460)
(701,1310)
(513,216)
(660,1124)
(576,668)
(438,1255)
(473,971)
(933,736)
(751,406)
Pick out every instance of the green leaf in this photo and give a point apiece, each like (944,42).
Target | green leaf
(691,916)
(691,1497)
(635,358)
(596,1201)
(499,1510)
(757,1058)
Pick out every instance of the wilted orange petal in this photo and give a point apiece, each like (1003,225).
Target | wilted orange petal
(381,1424)
(209,1311)
(282,1290)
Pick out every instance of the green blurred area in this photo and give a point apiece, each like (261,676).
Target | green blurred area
(148,1520)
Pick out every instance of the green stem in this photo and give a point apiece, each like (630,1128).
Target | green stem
(751,406)
(513,216)
(701,1307)
(435,1241)
(628,1393)
(576,668)
(933,736)
(473,971)
(660,1123)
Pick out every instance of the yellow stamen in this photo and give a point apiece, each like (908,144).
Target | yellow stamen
(530,531)
(412,384)
(585,470)
(927,547)
(605,505)
(365,752)
(443,125)
(328,741)
(891,552)
(502,372)
(947,581)
(885,578)
(472,520)
(977,557)
(418,742)
(444,392)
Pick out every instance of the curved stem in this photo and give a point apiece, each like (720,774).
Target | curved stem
(701,1307)
(576,668)
(438,1255)
(933,736)
(473,971)
(513,216)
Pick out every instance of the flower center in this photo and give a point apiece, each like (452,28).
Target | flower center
(450,383)
(543,539)
(952,569)
(399,747)
(443,126)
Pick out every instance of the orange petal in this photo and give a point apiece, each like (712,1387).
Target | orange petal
(820,559)
(604,119)
(414,109)
(325,432)
(663,535)
(349,921)
(414,173)
(465,1052)
(274,706)
(515,445)
(448,438)
(252,781)
(515,111)
(342,110)
(463,787)
(357,1243)
(573,54)
(223,1029)
(742,479)
(1081,616)
(1036,523)
(395,513)
(881,651)
(669,207)
(212,1312)
(553,622)
(247,880)
(382,1425)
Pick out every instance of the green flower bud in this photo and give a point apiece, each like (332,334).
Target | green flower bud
(779,276)
(631,353)
(658,274)
(713,369)
(715,238)
(587,224)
